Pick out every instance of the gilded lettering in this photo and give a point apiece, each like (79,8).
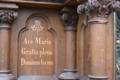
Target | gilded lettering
(41,62)
(39,41)
(36,50)
(27,41)
(33,51)
(25,62)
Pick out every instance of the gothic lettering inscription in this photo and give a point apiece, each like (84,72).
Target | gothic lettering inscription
(36,49)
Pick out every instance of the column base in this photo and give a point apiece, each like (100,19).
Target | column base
(7,77)
(69,74)
(91,77)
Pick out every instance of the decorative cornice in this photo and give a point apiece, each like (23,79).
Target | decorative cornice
(7,16)
(102,7)
(69,17)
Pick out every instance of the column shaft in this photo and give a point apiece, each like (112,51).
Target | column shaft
(98,48)
(4,49)
(70,49)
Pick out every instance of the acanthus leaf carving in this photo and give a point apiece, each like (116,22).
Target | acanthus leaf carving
(7,16)
(69,17)
(102,7)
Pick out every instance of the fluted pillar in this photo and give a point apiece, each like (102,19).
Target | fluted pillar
(7,16)
(70,18)
(98,12)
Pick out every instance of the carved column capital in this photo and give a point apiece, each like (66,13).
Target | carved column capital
(69,17)
(7,16)
(102,7)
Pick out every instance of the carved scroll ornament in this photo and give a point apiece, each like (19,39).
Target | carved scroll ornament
(102,7)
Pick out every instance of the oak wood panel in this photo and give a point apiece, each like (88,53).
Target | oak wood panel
(36,47)
(59,37)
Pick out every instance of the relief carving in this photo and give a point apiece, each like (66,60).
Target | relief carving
(69,18)
(102,7)
(7,16)
(36,46)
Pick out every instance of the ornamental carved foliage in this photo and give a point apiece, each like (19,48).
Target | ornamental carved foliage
(103,7)
(7,16)
(69,17)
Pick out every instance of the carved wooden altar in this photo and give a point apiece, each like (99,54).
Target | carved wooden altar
(56,40)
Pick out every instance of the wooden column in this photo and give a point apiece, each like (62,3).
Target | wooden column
(98,48)
(6,19)
(70,18)
(97,12)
